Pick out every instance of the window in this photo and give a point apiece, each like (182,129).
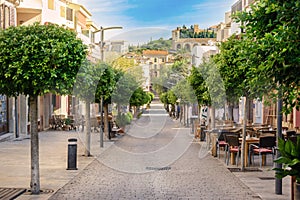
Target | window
(51,4)
(69,14)
(63,12)
(6,17)
(93,37)
(155,60)
(86,33)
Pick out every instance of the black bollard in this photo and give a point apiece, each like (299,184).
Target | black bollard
(72,154)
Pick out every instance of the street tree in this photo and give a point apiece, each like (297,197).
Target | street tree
(126,84)
(208,86)
(272,34)
(236,62)
(85,89)
(105,88)
(36,60)
(139,98)
(272,27)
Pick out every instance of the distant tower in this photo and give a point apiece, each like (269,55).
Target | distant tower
(196,28)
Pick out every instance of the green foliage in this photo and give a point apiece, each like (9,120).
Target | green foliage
(130,115)
(184,92)
(197,82)
(123,63)
(123,119)
(106,84)
(139,97)
(68,121)
(272,29)
(235,66)
(38,59)
(164,98)
(208,85)
(87,80)
(172,98)
(151,96)
(159,44)
(125,87)
(189,33)
(290,158)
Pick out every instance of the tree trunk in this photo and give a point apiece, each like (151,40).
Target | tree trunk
(246,106)
(278,182)
(119,108)
(87,151)
(184,114)
(105,107)
(230,111)
(212,117)
(250,110)
(35,170)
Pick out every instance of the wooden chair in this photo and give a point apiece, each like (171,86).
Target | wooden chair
(233,146)
(266,145)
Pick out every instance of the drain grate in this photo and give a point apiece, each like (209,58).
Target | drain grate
(245,170)
(158,168)
(11,193)
(266,178)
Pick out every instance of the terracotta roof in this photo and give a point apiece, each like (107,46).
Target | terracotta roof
(155,53)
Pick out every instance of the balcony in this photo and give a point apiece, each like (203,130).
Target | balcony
(236,7)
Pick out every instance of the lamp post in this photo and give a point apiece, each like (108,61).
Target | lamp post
(101,43)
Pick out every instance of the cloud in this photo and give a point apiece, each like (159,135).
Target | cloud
(205,14)
(109,12)
(104,6)
(212,5)
(142,35)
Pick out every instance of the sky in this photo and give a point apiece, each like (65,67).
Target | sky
(143,20)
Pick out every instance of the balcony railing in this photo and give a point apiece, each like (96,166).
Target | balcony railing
(31,21)
(237,7)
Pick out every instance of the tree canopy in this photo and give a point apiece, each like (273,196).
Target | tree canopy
(35,60)
(38,59)
(273,30)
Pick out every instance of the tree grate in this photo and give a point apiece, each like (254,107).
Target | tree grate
(158,168)
(42,191)
(11,193)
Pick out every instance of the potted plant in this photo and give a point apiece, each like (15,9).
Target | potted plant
(290,159)
(122,120)
(67,124)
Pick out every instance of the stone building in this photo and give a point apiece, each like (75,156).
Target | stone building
(189,43)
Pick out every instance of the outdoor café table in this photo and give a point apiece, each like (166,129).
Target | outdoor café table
(250,140)
(215,134)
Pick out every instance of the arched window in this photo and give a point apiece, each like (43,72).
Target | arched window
(187,47)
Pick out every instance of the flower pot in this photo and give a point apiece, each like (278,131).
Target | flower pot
(67,127)
(296,191)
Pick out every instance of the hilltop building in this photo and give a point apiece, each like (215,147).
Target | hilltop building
(188,38)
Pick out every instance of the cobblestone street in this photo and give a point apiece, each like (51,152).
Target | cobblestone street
(156,159)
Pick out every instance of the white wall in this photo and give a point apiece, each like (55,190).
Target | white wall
(198,53)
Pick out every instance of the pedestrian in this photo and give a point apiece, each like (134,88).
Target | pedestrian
(178,111)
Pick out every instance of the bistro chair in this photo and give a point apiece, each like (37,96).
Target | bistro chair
(290,133)
(234,146)
(266,145)
(293,138)
(220,143)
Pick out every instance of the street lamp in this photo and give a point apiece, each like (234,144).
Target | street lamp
(101,44)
